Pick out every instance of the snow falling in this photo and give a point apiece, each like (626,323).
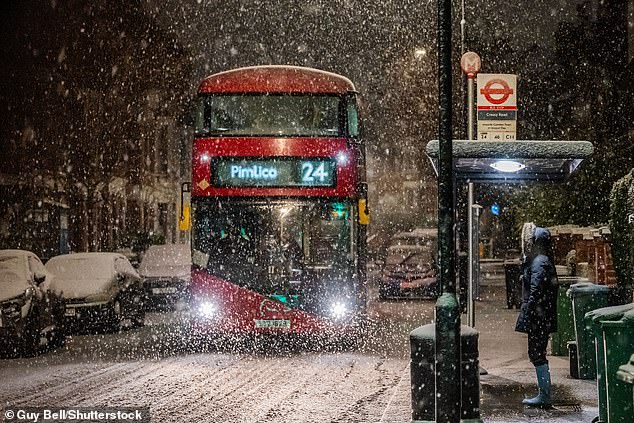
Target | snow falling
(149,215)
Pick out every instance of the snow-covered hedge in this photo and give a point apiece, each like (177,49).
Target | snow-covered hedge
(622,229)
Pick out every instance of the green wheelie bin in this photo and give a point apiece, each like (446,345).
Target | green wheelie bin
(618,339)
(586,297)
(565,324)
(593,320)
(626,374)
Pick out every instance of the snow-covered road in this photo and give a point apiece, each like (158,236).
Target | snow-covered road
(159,367)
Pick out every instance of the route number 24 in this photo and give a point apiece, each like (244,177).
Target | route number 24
(310,173)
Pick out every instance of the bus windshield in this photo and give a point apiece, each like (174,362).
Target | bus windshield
(271,243)
(270,115)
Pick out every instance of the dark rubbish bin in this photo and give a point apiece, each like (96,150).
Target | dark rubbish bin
(593,320)
(423,344)
(618,339)
(626,374)
(513,286)
(586,297)
(565,322)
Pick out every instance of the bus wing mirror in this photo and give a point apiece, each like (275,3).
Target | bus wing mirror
(364,213)
(184,223)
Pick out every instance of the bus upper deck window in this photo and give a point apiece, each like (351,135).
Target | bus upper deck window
(201,117)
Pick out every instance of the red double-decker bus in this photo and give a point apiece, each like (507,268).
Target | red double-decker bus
(278,197)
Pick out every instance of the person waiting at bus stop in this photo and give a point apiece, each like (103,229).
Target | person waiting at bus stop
(538,313)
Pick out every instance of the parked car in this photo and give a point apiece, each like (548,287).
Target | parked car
(165,270)
(100,290)
(410,268)
(31,312)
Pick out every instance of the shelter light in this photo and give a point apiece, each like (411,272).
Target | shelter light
(205,158)
(508,166)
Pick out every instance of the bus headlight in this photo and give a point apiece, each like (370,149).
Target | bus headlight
(338,310)
(207,309)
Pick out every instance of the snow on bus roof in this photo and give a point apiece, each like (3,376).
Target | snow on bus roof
(276,79)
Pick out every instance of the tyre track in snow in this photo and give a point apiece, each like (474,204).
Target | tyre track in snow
(57,383)
(249,388)
(363,395)
(310,387)
(305,388)
(143,388)
(287,382)
(340,388)
(196,389)
(171,386)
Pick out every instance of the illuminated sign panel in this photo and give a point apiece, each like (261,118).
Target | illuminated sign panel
(280,172)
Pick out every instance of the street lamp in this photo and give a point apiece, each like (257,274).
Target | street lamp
(419,53)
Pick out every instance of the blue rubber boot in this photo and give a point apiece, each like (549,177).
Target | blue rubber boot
(542,399)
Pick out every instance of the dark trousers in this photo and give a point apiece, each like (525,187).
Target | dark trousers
(537,343)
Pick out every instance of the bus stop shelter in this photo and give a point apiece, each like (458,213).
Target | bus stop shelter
(505,162)
(477,162)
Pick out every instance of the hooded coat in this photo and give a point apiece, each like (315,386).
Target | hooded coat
(538,313)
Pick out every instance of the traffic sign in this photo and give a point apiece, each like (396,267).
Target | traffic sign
(470,63)
(497,107)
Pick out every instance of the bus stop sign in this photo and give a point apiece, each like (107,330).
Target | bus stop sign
(497,107)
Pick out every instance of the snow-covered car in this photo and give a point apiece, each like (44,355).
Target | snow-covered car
(100,290)
(31,312)
(410,266)
(166,273)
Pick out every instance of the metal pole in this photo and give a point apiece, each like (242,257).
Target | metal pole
(470,299)
(474,261)
(447,327)
(470,271)
(477,210)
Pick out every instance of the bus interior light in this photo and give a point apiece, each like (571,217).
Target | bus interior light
(339,210)
(205,158)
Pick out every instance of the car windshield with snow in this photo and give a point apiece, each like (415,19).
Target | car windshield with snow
(166,273)
(100,289)
(410,266)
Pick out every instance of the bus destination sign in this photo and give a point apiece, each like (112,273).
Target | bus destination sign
(279,172)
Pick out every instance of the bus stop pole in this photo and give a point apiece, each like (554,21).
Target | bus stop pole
(474,259)
(470,273)
(447,325)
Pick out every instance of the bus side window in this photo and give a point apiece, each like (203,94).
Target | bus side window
(353,120)
(206,127)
